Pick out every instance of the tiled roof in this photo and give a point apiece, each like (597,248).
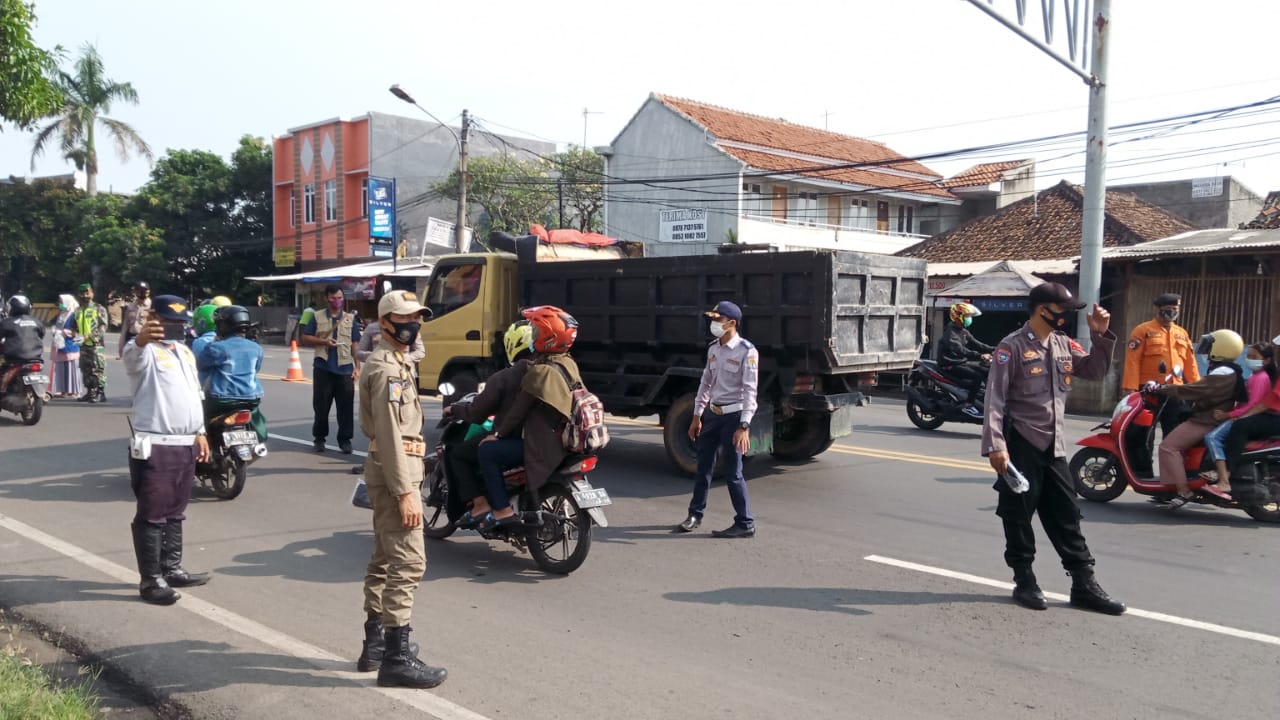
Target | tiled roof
(1269,217)
(1048,226)
(734,126)
(982,175)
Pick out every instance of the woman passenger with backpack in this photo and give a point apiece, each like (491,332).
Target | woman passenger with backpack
(543,408)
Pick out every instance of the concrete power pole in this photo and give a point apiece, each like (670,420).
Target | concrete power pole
(460,235)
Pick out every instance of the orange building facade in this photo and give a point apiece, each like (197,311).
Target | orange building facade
(320,179)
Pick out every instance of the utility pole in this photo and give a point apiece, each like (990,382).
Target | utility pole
(585,113)
(560,195)
(1079,21)
(460,236)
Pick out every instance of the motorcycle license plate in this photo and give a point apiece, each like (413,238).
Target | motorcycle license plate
(35,380)
(589,497)
(240,437)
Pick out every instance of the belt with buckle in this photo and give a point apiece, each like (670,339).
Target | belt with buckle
(158,439)
(413,447)
(726,409)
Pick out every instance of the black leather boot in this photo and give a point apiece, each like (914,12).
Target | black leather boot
(1087,594)
(171,559)
(147,540)
(374,646)
(399,666)
(1026,591)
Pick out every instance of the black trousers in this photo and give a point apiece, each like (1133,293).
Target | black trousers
(1052,496)
(1254,427)
(464,466)
(970,377)
(329,389)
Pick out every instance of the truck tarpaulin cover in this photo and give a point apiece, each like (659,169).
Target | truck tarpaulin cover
(569,236)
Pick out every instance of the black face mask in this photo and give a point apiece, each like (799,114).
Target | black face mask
(1168,315)
(404,332)
(1056,320)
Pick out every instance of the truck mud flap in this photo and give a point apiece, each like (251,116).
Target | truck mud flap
(826,403)
(842,421)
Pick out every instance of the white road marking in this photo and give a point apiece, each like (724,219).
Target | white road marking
(318,658)
(308,443)
(1135,612)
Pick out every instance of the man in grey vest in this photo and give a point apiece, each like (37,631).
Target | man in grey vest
(334,334)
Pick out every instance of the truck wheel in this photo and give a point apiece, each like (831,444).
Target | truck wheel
(675,435)
(802,436)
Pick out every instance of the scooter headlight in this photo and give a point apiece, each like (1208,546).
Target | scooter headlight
(1122,407)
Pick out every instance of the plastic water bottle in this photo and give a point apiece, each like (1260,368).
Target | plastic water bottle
(1016,481)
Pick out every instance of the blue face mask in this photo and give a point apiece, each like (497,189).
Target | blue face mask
(968,320)
(1252,364)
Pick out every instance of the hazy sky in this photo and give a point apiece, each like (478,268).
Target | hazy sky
(921,75)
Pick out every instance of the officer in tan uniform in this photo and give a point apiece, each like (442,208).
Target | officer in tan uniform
(391,417)
(1031,374)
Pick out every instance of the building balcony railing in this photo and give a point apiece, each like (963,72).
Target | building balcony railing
(827,227)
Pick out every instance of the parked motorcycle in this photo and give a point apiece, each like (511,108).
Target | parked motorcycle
(1103,468)
(22,390)
(556,518)
(233,446)
(934,398)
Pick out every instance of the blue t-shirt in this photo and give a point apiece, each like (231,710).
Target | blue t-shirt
(199,344)
(331,363)
(231,365)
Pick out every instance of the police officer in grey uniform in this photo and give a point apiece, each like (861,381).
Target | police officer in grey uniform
(1031,374)
(722,412)
(168,438)
(391,417)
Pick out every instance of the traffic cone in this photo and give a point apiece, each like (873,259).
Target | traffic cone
(294,373)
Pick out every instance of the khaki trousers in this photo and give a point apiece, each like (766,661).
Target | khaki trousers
(399,555)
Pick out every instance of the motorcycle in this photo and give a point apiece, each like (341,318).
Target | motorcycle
(23,389)
(1103,468)
(233,447)
(556,519)
(933,398)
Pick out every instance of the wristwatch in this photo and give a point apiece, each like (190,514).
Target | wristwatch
(744,426)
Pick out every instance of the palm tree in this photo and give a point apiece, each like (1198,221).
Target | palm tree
(87,97)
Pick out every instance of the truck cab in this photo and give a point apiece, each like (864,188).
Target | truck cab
(472,299)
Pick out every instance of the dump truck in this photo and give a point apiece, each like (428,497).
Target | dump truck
(825,323)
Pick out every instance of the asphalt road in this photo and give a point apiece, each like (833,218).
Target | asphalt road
(796,622)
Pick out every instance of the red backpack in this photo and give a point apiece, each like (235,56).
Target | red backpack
(585,433)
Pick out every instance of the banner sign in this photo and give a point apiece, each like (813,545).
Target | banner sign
(286,255)
(442,233)
(382,211)
(682,225)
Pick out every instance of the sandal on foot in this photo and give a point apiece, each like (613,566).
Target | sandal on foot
(470,521)
(489,522)
(1178,501)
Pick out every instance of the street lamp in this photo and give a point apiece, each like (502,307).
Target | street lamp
(460,231)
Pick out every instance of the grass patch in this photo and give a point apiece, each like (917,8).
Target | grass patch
(27,693)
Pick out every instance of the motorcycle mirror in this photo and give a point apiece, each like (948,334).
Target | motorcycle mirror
(447,388)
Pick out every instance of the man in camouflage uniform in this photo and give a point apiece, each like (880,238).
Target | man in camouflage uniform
(90,322)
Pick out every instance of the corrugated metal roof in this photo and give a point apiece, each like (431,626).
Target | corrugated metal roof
(1199,242)
(1064,266)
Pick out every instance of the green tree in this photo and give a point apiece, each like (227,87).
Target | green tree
(581,172)
(514,193)
(87,97)
(117,249)
(26,91)
(37,226)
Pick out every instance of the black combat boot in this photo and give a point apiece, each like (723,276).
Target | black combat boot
(374,646)
(147,540)
(1026,591)
(399,666)
(1087,594)
(171,559)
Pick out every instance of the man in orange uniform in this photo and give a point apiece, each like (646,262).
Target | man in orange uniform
(1159,340)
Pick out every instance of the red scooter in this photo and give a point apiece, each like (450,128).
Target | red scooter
(1102,468)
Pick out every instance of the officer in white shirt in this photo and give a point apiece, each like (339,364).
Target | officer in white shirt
(168,438)
(722,412)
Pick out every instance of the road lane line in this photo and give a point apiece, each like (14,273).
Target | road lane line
(1135,612)
(862,451)
(317,657)
(308,443)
